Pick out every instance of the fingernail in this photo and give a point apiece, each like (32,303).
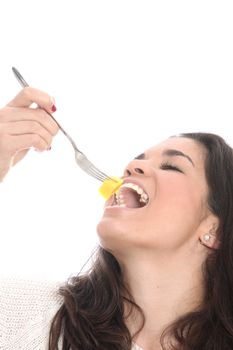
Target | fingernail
(54,108)
(48,149)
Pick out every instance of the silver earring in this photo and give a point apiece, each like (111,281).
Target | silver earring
(206,237)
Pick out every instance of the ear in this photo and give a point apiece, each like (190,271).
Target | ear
(210,239)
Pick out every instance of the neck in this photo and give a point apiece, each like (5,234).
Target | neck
(165,286)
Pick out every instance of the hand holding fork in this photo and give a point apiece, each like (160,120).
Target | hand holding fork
(83,162)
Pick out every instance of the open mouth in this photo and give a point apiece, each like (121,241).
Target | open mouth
(130,195)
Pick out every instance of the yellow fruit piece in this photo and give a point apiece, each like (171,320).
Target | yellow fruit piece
(110,186)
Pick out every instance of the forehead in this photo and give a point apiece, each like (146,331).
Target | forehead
(188,146)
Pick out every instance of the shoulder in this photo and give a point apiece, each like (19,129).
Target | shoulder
(38,294)
(26,310)
(14,286)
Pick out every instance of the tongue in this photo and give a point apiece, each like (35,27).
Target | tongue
(131,198)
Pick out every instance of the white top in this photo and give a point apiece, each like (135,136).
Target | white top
(26,310)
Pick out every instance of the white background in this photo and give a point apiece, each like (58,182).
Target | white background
(125,75)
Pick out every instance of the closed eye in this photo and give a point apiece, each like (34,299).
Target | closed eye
(167,166)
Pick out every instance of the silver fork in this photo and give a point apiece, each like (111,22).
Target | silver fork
(84,163)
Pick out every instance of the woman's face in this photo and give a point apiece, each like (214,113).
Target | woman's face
(172,175)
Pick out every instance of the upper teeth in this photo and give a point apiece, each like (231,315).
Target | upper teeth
(143,195)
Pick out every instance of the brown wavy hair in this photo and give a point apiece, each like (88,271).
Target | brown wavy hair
(92,314)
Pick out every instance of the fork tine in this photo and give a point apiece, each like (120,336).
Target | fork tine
(92,172)
(85,165)
(89,167)
(97,173)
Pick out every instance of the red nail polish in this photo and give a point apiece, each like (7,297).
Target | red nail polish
(54,108)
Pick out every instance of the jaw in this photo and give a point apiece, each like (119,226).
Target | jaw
(122,222)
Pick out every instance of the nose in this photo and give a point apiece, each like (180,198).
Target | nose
(138,167)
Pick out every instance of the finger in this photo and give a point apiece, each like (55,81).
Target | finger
(19,155)
(26,127)
(12,144)
(12,114)
(30,95)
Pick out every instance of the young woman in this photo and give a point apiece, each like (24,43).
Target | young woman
(162,276)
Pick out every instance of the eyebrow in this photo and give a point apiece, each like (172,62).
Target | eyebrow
(175,153)
(169,153)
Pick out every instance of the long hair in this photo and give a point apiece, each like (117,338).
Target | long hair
(92,315)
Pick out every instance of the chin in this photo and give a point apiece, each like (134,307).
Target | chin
(107,228)
(112,237)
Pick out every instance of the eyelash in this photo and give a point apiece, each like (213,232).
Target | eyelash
(167,166)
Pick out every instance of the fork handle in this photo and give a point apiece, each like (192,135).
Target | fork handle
(23,83)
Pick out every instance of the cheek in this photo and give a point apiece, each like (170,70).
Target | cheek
(176,194)
(175,211)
